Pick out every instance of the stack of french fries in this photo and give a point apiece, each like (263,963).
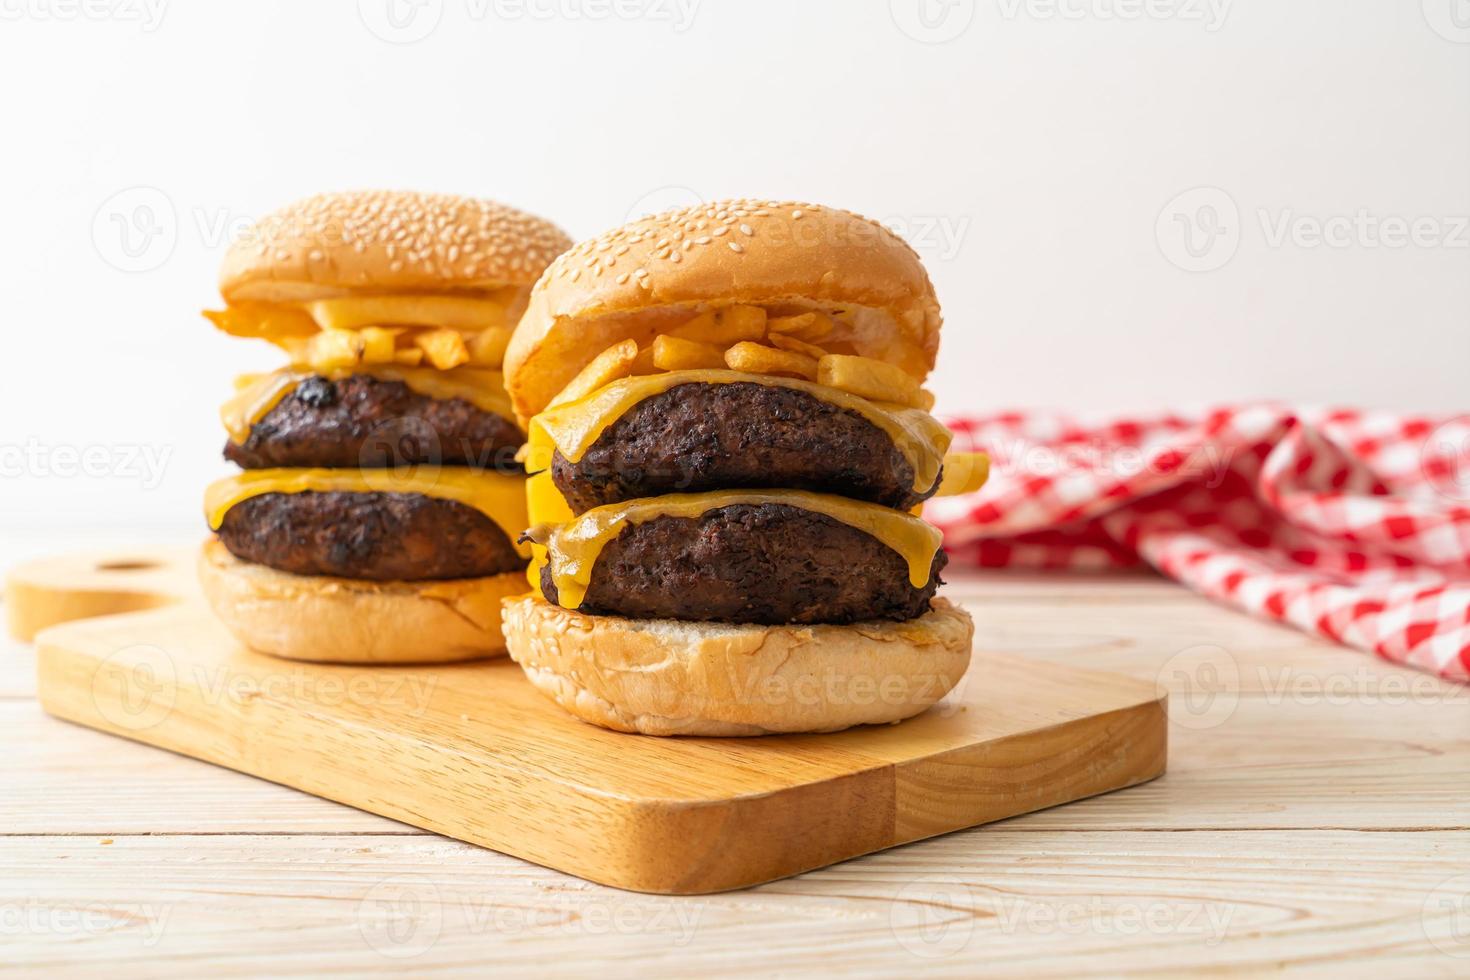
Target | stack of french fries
(746,338)
(442,332)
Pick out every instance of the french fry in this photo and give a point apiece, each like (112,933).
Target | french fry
(443,348)
(743,322)
(331,349)
(678,354)
(810,327)
(782,341)
(412,357)
(265,322)
(614,363)
(700,328)
(487,348)
(377,344)
(759,359)
(729,326)
(963,473)
(643,363)
(467,313)
(869,378)
(926,400)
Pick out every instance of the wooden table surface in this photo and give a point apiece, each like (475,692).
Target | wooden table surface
(1316,815)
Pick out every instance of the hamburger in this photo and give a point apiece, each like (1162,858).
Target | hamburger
(728,442)
(377,513)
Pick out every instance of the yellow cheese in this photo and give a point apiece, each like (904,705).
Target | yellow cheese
(253,399)
(573,428)
(544,505)
(499,496)
(573,547)
(481,388)
(544,501)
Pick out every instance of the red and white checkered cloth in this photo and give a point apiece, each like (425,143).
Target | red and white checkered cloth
(1351,525)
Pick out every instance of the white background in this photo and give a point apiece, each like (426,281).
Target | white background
(1033,151)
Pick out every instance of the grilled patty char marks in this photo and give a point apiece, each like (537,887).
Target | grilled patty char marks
(742,435)
(370,422)
(752,563)
(374,536)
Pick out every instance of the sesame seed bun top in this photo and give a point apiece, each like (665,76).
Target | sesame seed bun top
(773,253)
(387,241)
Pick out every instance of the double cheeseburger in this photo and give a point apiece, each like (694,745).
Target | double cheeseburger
(379,505)
(729,444)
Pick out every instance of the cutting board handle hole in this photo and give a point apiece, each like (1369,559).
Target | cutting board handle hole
(141,565)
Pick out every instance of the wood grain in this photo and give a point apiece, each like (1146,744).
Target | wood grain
(49,591)
(1365,765)
(1022,903)
(1361,765)
(474,752)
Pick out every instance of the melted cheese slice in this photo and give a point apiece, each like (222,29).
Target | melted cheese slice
(483,389)
(573,547)
(573,428)
(545,505)
(499,496)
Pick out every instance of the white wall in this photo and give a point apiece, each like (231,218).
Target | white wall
(1035,157)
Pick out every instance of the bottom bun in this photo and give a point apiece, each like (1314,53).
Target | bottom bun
(670,677)
(341,620)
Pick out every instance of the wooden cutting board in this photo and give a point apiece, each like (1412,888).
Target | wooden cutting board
(474,752)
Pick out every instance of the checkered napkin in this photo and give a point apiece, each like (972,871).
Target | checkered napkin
(1351,525)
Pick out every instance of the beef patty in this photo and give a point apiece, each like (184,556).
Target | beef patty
(752,563)
(370,422)
(743,435)
(375,536)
